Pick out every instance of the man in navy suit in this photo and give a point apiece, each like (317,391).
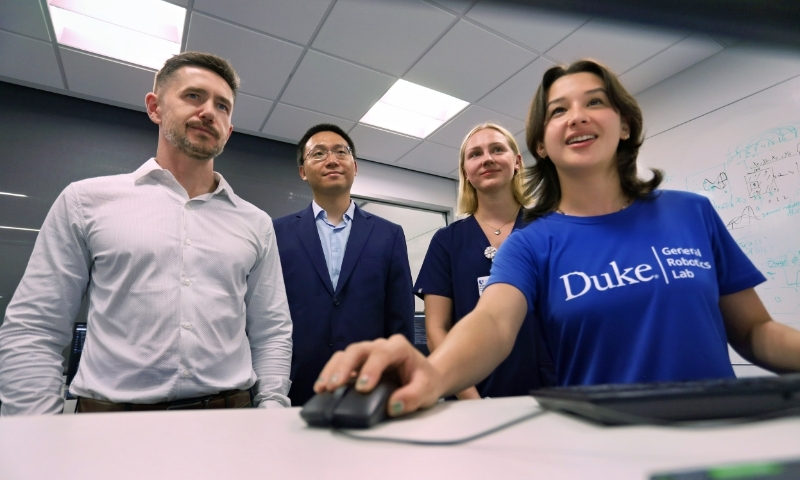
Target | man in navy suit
(346,271)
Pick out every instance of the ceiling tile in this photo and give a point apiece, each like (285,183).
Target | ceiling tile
(262,62)
(25,17)
(538,29)
(432,158)
(380,35)
(520,138)
(468,62)
(106,79)
(182,3)
(458,6)
(454,132)
(29,60)
(680,56)
(527,157)
(514,96)
(380,145)
(249,112)
(291,123)
(293,20)
(621,46)
(336,87)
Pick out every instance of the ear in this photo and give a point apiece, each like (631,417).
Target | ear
(625,131)
(355,167)
(540,150)
(518,163)
(151,104)
(302,172)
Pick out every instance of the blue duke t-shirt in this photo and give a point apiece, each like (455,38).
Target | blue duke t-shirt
(631,296)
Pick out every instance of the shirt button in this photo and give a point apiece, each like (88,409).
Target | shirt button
(185,374)
(186,325)
(188,241)
(187,282)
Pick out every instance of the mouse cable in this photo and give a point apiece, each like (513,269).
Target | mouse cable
(458,441)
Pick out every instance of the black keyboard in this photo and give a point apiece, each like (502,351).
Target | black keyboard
(675,402)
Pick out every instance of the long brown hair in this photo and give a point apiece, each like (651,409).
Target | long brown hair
(543,184)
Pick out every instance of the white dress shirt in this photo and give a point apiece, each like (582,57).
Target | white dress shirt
(186,297)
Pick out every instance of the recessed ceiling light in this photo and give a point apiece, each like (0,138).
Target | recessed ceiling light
(13,194)
(143,32)
(19,228)
(413,110)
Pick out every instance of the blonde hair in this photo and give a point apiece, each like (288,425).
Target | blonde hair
(467,195)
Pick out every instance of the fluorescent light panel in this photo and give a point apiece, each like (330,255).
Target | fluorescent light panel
(19,228)
(13,194)
(413,110)
(143,32)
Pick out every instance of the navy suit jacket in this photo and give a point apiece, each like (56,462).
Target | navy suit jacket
(373,297)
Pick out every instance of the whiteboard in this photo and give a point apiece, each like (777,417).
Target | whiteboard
(745,157)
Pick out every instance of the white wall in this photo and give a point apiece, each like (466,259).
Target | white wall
(397,185)
(707,93)
(731,75)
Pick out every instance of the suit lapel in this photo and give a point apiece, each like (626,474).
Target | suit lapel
(359,233)
(306,227)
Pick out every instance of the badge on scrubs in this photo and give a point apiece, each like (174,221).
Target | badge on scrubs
(482,284)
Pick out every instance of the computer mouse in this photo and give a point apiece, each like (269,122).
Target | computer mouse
(348,408)
(318,410)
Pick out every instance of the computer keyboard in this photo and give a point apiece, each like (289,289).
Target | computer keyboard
(670,402)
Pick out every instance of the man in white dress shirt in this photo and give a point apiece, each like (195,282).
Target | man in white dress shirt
(187,305)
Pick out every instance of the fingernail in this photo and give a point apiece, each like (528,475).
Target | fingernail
(320,380)
(362,381)
(397,408)
(334,378)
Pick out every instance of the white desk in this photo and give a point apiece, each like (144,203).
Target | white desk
(254,443)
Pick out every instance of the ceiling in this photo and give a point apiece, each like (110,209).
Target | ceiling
(304,62)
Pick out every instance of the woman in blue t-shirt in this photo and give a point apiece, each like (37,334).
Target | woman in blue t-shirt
(595,244)
(457,263)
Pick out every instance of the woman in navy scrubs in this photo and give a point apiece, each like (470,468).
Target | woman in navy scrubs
(457,264)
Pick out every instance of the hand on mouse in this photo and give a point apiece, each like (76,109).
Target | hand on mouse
(420,381)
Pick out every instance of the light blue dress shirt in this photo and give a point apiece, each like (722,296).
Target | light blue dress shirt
(333,238)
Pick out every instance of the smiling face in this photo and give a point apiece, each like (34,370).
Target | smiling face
(328,175)
(194,110)
(582,128)
(489,162)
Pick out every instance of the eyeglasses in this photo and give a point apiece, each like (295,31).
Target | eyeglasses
(318,154)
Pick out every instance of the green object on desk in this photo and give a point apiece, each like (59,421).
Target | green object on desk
(748,470)
(776,470)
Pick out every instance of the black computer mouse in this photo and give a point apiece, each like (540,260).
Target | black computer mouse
(348,408)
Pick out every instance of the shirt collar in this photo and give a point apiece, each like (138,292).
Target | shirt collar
(152,169)
(320,211)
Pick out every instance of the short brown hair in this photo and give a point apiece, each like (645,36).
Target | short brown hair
(467,196)
(542,177)
(209,61)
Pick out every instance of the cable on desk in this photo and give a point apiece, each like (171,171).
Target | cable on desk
(459,441)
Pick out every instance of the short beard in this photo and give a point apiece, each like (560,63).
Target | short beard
(192,150)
